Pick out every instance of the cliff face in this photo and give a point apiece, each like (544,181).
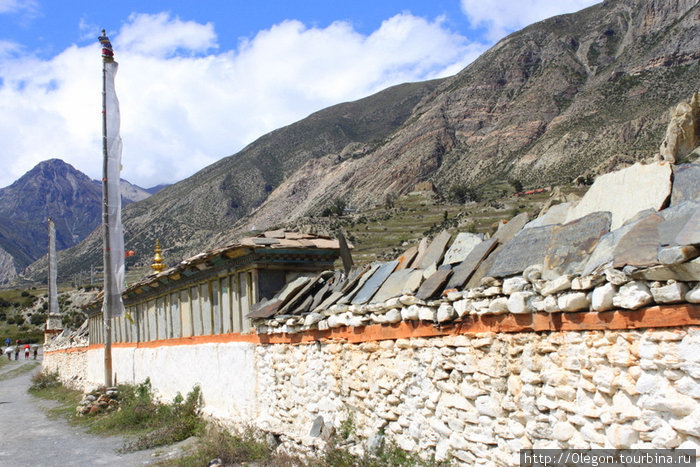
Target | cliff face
(572,95)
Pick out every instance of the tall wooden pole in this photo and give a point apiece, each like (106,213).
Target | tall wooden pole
(107,312)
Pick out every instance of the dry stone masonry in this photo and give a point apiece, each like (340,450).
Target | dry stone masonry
(480,399)
(607,255)
(578,329)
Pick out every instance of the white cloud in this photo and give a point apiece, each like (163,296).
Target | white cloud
(501,18)
(184,104)
(160,35)
(29,8)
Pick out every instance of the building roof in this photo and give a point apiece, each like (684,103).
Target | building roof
(276,242)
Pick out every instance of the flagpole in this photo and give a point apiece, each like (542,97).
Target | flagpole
(107,288)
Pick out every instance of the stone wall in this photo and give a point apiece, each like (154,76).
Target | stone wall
(478,397)
(482,398)
(71,365)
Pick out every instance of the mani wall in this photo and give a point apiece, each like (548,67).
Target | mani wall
(579,329)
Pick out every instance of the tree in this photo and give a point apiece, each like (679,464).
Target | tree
(462,193)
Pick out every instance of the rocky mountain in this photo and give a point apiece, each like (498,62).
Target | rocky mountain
(130,192)
(51,189)
(570,96)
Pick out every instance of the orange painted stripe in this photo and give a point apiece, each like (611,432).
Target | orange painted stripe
(668,316)
(69,350)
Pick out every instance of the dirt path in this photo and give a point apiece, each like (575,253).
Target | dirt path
(29,438)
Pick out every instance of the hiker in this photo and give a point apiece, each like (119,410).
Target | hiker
(8,341)
(36,349)
(26,351)
(9,351)
(17,352)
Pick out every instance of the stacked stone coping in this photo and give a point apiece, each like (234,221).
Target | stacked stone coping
(521,294)
(69,339)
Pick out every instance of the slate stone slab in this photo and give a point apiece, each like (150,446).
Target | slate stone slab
(690,234)
(422,248)
(398,283)
(330,300)
(626,192)
(436,250)
(688,272)
(434,284)
(266,310)
(304,306)
(406,258)
(274,234)
(317,427)
(320,295)
(353,286)
(340,279)
(686,183)
(291,288)
(676,219)
(525,249)
(572,243)
(554,215)
(463,244)
(604,252)
(640,245)
(266,241)
(373,283)
(677,254)
(464,270)
(295,301)
(507,231)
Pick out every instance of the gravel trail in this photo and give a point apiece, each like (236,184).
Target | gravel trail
(28,437)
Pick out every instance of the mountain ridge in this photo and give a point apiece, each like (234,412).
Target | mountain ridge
(52,189)
(570,96)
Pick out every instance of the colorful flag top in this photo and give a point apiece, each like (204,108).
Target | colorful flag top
(107,52)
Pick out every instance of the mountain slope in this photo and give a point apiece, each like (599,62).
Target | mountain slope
(51,189)
(188,215)
(569,96)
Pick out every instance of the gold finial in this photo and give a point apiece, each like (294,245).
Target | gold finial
(158,264)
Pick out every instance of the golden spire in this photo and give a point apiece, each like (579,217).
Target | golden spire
(158,264)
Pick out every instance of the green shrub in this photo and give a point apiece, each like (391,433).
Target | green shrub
(233,448)
(44,380)
(155,423)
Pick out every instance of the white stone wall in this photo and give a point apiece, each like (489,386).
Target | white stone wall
(478,399)
(71,366)
(482,399)
(225,372)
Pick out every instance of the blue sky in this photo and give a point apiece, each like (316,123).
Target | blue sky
(200,80)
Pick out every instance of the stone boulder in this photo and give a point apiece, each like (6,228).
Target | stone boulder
(682,134)
(626,192)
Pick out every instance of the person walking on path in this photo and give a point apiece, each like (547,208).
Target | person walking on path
(8,341)
(17,352)
(36,349)
(9,351)
(26,351)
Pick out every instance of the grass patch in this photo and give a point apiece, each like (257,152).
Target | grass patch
(24,368)
(46,385)
(150,422)
(249,445)
(234,448)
